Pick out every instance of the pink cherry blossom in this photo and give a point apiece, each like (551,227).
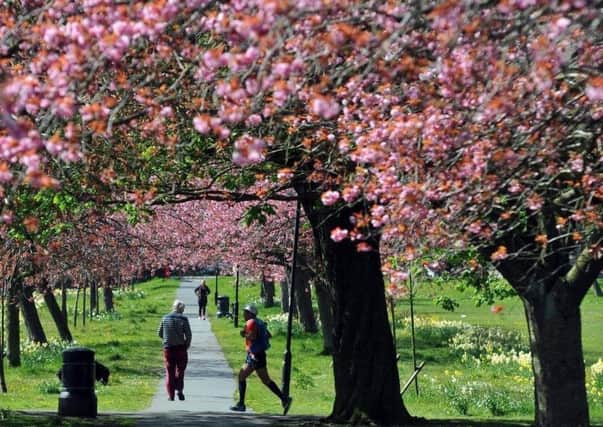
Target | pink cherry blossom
(201,124)
(535,202)
(594,90)
(339,234)
(330,197)
(248,150)
(324,107)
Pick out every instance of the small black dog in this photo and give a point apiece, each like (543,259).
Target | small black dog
(102,373)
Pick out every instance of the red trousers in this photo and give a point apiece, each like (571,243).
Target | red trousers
(174,360)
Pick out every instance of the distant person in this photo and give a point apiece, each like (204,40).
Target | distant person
(256,343)
(175,331)
(202,291)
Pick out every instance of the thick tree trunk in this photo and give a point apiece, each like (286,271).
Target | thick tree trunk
(325,312)
(30,316)
(558,363)
(552,290)
(367,386)
(13,330)
(303,299)
(57,315)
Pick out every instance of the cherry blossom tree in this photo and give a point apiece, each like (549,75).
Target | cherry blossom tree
(258,240)
(427,124)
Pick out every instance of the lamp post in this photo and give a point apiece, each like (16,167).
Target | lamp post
(236,303)
(287,355)
(216,292)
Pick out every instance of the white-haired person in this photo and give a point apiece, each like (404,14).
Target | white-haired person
(257,342)
(175,332)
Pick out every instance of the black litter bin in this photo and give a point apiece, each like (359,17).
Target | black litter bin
(77,397)
(223,302)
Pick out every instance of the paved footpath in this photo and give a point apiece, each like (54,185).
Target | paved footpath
(209,386)
(209,383)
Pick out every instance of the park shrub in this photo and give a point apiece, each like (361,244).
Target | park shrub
(35,355)
(496,401)
(521,358)
(49,386)
(435,332)
(477,342)
(128,293)
(594,384)
(457,394)
(104,315)
(277,325)
(464,396)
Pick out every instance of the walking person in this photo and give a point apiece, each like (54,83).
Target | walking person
(202,291)
(175,332)
(257,342)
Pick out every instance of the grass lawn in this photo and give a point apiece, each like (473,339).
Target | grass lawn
(125,341)
(449,388)
(463,383)
(452,391)
(311,376)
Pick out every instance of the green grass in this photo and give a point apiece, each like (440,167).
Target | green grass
(449,388)
(125,341)
(450,391)
(311,376)
(441,364)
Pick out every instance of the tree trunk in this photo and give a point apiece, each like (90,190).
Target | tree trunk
(64,285)
(558,364)
(14,349)
(84,305)
(284,295)
(268,292)
(3,387)
(287,284)
(108,298)
(30,316)
(93,297)
(76,306)
(3,296)
(57,316)
(325,312)
(303,298)
(551,295)
(597,289)
(367,386)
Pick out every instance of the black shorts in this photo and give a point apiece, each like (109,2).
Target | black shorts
(256,360)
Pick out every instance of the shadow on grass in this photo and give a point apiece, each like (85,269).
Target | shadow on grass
(21,419)
(475,423)
(190,419)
